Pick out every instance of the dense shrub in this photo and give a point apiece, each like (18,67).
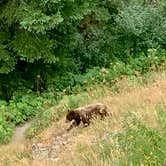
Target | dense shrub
(6,130)
(138,28)
(17,111)
(58,38)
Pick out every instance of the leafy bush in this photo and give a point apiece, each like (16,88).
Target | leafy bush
(138,28)
(6,129)
(17,111)
(141,64)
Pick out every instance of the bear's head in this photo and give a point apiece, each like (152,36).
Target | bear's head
(70,116)
(73,115)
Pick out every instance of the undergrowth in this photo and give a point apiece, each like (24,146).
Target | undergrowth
(47,107)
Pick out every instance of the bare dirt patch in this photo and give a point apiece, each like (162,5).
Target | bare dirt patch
(19,134)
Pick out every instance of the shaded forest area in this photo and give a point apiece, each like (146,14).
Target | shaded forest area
(51,48)
(54,38)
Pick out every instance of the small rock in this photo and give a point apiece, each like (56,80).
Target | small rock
(63,143)
(54,159)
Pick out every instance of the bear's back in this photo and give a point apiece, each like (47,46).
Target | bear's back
(90,109)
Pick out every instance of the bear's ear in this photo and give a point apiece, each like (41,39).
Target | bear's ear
(71,112)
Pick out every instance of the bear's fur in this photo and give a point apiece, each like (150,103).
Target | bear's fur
(84,114)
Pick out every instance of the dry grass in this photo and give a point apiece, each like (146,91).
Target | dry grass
(140,99)
(14,154)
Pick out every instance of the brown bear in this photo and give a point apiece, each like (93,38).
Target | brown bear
(84,114)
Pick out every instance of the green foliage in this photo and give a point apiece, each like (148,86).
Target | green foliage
(69,37)
(136,149)
(30,47)
(6,129)
(7,63)
(36,21)
(161,117)
(17,111)
(139,27)
(44,30)
(69,80)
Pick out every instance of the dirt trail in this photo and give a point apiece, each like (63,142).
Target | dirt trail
(19,134)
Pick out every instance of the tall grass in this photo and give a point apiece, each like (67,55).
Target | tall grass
(136,144)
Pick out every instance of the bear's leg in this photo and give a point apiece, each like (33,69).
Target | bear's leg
(103,113)
(77,121)
(74,124)
(85,121)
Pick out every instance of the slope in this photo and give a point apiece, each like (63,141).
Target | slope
(141,96)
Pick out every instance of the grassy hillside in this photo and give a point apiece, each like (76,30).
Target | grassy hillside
(134,135)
